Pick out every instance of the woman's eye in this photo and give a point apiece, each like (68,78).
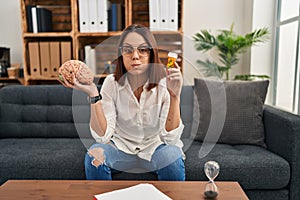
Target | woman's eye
(143,49)
(127,50)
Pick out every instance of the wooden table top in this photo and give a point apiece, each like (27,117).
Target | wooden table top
(85,190)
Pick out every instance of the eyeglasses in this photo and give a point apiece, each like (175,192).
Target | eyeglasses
(128,50)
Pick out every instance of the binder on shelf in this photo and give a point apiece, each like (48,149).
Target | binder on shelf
(173,15)
(34,58)
(164,15)
(41,19)
(92,12)
(116,17)
(29,18)
(154,18)
(93,64)
(102,16)
(83,16)
(120,18)
(65,55)
(113,17)
(54,58)
(45,58)
(34,20)
(90,57)
(44,19)
(87,59)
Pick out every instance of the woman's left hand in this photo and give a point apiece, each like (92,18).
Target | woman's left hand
(174,80)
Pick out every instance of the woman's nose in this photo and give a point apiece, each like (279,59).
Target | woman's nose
(135,54)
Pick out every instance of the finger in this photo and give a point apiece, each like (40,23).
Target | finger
(176,65)
(174,70)
(76,82)
(174,78)
(62,82)
(66,83)
(173,75)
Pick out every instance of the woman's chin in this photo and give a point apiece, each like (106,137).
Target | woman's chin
(136,71)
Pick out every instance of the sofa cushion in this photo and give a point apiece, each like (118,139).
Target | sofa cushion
(252,166)
(41,158)
(231,111)
(186,109)
(43,111)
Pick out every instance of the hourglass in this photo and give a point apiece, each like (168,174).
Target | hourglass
(211,169)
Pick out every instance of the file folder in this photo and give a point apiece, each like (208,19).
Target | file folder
(45,58)
(92,10)
(154,15)
(83,16)
(173,15)
(102,16)
(54,58)
(164,15)
(65,54)
(34,58)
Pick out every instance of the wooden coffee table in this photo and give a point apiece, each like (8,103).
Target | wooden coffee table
(85,190)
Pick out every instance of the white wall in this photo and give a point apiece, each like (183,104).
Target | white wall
(215,15)
(262,55)
(10,29)
(263,17)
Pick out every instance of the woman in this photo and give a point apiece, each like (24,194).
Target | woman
(137,122)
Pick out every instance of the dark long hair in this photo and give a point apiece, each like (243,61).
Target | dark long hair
(156,69)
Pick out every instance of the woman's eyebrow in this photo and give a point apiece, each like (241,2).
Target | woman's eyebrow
(138,45)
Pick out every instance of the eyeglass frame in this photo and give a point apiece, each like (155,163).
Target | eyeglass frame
(137,49)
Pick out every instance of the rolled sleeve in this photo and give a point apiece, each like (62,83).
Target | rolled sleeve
(172,137)
(102,139)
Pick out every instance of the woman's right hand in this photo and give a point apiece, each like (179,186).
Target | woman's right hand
(90,90)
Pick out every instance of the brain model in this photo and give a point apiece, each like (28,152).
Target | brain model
(82,72)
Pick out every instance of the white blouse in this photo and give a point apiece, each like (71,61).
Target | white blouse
(137,127)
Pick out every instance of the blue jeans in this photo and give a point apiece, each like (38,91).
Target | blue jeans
(166,162)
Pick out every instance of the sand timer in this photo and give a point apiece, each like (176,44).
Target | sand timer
(211,169)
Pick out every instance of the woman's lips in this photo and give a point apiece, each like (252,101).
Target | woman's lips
(135,65)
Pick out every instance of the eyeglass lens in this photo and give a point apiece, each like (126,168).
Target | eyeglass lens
(128,50)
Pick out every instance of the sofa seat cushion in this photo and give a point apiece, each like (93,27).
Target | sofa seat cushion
(40,158)
(252,166)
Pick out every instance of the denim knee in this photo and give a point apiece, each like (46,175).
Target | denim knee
(165,155)
(92,172)
(173,172)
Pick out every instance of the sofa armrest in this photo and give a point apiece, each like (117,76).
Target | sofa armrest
(282,132)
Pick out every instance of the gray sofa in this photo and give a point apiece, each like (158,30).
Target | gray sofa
(39,140)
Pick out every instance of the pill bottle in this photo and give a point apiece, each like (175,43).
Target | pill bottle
(172,57)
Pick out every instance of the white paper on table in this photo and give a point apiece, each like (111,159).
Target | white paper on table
(143,191)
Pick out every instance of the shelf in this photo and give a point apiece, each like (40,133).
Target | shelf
(7,79)
(47,34)
(41,78)
(98,34)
